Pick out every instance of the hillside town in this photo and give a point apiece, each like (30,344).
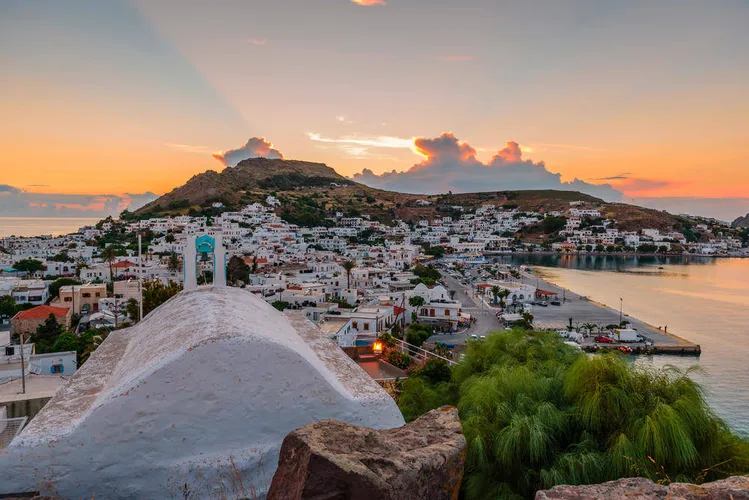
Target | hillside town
(351,260)
(353,276)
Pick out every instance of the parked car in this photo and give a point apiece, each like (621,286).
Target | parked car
(556,303)
(603,339)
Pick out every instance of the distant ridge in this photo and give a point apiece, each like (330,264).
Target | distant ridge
(311,192)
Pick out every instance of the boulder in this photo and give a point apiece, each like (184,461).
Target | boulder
(733,488)
(334,460)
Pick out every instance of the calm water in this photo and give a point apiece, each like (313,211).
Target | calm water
(34,226)
(704,300)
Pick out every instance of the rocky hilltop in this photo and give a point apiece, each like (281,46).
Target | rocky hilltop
(741,221)
(309,192)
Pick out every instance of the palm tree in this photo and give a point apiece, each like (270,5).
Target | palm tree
(80,264)
(348,266)
(174,265)
(590,327)
(502,296)
(109,255)
(495,293)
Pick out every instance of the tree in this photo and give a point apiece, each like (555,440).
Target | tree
(417,334)
(80,264)
(348,266)
(590,327)
(237,270)
(537,413)
(109,255)
(156,293)
(281,305)
(416,301)
(132,309)
(8,307)
(54,287)
(495,293)
(169,238)
(66,342)
(174,265)
(29,266)
(46,334)
(503,294)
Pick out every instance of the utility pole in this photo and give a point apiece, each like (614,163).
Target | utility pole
(23,368)
(140,278)
(621,310)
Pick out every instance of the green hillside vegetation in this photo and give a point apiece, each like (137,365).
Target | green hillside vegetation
(537,413)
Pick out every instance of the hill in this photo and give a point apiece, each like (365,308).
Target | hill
(311,192)
(740,222)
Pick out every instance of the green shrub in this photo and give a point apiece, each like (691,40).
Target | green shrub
(537,413)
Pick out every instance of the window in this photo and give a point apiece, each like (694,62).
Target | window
(431,313)
(355,324)
(98,294)
(86,294)
(366,326)
(447,312)
(68,299)
(56,369)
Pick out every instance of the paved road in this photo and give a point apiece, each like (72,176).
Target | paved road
(486,321)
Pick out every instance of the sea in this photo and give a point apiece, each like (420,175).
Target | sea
(35,226)
(704,300)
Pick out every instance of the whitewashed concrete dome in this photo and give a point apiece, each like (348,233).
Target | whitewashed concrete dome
(206,386)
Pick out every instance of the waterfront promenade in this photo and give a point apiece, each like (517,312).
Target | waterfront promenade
(583,310)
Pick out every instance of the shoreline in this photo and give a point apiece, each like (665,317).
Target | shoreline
(498,253)
(680,341)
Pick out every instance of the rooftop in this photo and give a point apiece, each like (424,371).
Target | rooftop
(42,312)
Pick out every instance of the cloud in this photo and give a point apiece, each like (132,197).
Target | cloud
(457,58)
(451,165)
(374,142)
(617,177)
(632,186)
(369,3)
(257,42)
(256,147)
(6,190)
(15,202)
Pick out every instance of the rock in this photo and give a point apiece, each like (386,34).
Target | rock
(733,488)
(334,460)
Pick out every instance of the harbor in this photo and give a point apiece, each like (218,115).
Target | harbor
(573,313)
(580,310)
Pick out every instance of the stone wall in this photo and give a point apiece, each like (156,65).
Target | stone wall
(638,488)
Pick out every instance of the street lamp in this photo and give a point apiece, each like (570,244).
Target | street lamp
(621,309)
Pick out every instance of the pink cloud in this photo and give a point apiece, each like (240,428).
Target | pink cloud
(254,148)
(369,3)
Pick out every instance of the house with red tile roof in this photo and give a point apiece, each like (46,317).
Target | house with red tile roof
(29,320)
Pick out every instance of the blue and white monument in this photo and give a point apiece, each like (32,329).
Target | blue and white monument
(204,244)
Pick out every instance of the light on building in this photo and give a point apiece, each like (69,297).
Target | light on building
(377,347)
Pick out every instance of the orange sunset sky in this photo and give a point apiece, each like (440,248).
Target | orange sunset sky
(122,98)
